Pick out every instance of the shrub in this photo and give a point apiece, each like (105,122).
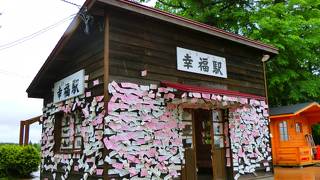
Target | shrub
(18,160)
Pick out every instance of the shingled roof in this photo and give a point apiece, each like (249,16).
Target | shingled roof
(291,109)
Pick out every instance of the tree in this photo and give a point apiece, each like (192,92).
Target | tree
(293,26)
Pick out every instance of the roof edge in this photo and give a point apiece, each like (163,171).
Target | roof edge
(307,107)
(185,22)
(297,112)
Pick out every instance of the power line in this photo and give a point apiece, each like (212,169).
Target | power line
(72,3)
(31,36)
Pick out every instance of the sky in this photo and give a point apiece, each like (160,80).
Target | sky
(20,63)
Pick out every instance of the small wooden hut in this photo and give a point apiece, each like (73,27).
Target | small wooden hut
(132,92)
(293,142)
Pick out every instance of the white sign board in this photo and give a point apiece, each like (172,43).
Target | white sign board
(69,87)
(201,63)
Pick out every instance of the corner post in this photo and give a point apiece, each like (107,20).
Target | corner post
(106,76)
(26,135)
(21,133)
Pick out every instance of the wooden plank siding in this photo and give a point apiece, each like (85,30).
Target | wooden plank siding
(138,43)
(88,54)
(295,151)
(89,57)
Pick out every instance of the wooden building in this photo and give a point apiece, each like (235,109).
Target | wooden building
(133,92)
(292,138)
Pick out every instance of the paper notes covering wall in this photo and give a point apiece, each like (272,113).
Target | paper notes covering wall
(142,132)
(138,136)
(249,136)
(87,133)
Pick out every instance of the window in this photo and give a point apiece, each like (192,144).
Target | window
(206,127)
(218,129)
(298,127)
(69,132)
(283,127)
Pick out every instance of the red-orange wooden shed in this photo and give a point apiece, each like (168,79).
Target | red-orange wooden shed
(292,138)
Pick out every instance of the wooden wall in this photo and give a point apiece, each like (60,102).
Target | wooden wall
(81,52)
(138,43)
(293,151)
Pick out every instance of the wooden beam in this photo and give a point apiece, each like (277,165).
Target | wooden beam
(106,76)
(26,135)
(106,57)
(281,116)
(32,120)
(21,133)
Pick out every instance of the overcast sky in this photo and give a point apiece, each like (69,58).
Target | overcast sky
(20,63)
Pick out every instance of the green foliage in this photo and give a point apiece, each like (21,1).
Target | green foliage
(293,26)
(316,133)
(18,160)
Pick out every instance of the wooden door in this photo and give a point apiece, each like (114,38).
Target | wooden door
(202,126)
(218,145)
(284,134)
(210,128)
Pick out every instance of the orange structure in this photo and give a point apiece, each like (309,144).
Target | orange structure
(292,136)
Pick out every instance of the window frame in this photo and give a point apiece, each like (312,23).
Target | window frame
(58,133)
(300,127)
(283,131)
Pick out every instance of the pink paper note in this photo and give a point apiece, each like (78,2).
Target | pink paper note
(162,89)
(97,121)
(76,168)
(162,158)
(129,85)
(144,172)
(169,96)
(114,126)
(228,162)
(117,165)
(99,98)
(174,173)
(99,172)
(109,144)
(205,96)
(88,94)
(96,82)
(228,152)
(143,73)
(89,160)
(65,156)
(133,172)
(152,95)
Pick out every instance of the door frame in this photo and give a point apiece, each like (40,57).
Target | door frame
(194,139)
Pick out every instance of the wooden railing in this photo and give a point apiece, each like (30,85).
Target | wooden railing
(24,130)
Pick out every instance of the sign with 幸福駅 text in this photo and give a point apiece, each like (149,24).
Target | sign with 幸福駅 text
(69,87)
(201,63)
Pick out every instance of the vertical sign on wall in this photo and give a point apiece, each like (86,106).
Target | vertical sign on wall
(69,87)
(201,63)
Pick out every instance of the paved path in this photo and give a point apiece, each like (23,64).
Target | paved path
(296,173)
